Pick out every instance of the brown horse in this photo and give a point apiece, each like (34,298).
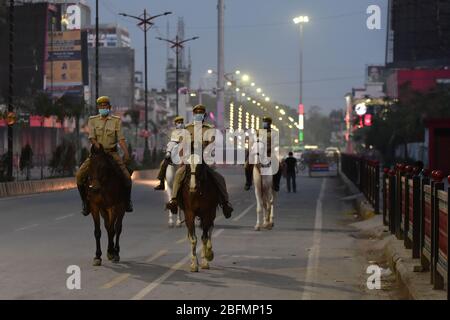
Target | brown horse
(199,198)
(106,198)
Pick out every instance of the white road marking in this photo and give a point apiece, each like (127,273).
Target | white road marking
(66,216)
(27,227)
(116,281)
(125,276)
(313,256)
(141,294)
(156,256)
(244,212)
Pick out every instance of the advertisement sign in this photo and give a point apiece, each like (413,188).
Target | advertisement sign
(375,74)
(64,68)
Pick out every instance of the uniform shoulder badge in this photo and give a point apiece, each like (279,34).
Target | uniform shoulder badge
(94,117)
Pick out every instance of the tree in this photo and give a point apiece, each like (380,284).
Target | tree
(26,160)
(404,122)
(317,127)
(134,114)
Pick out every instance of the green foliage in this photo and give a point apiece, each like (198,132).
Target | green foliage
(26,160)
(63,161)
(318,127)
(4,159)
(404,122)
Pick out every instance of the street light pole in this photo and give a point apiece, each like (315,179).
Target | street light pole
(96,49)
(220,64)
(11,89)
(145,24)
(301,20)
(178,45)
(146,82)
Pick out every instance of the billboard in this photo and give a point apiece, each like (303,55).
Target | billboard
(375,74)
(64,65)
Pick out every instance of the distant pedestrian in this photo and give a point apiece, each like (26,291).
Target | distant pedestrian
(291,172)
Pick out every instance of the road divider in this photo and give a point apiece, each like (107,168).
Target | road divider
(20,188)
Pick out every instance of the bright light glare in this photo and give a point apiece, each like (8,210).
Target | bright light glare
(210,71)
(259,90)
(245,77)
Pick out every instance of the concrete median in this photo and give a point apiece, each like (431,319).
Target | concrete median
(19,188)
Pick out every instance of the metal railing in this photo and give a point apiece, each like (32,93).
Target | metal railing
(416,211)
(365,174)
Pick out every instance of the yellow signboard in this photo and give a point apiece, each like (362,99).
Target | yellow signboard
(64,72)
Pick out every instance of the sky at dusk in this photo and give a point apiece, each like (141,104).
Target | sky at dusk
(262,41)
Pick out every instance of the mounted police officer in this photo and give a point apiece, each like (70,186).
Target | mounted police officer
(105,129)
(267,125)
(174,141)
(199,112)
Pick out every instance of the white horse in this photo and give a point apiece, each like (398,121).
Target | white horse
(170,177)
(265,198)
(265,195)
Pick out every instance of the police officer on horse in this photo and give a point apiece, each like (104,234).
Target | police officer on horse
(105,129)
(199,112)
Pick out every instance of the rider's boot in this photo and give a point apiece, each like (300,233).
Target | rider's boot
(276,181)
(227,209)
(172,205)
(161,185)
(83,194)
(162,174)
(128,203)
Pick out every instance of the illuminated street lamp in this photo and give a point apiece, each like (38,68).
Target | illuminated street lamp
(301,20)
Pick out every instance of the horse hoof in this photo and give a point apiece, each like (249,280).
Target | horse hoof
(178,224)
(257,228)
(110,256)
(194,268)
(205,266)
(209,256)
(97,262)
(171,225)
(116,258)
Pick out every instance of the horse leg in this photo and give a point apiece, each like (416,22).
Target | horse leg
(171,224)
(178,223)
(207,252)
(97,234)
(259,210)
(109,225)
(190,223)
(118,231)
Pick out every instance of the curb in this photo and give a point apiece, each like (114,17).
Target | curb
(362,206)
(417,284)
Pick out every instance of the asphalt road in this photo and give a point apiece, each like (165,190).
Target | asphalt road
(309,254)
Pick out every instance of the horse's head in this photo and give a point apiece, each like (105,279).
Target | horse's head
(100,167)
(197,174)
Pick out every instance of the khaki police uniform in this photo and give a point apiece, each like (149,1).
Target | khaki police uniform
(107,132)
(175,138)
(207,139)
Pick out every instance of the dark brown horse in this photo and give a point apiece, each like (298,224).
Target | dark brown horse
(106,198)
(199,198)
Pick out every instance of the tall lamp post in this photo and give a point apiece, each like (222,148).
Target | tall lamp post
(11,90)
(301,20)
(178,45)
(145,23)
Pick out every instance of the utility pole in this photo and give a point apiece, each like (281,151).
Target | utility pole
(178,45)
(145,23)
(11,89)
(220,64)
(96,50)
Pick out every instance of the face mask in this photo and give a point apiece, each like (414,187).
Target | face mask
(179,126)
(104,112)
(198,117)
